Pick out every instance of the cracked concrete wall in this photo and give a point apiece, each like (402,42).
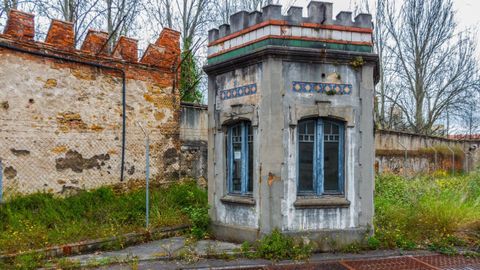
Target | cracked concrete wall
(355,110)
(390,149)
(61,124)
(194,141)
(226,111)
(274,112)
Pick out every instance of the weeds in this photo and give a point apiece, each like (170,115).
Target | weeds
(428,211)
(42,220)
(277,246)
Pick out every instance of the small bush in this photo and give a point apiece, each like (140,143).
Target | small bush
(277,246)
(200,221)
(373,243)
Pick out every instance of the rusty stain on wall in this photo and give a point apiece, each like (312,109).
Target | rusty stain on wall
(59,149)
(70,120)
(272,178)
(50,83)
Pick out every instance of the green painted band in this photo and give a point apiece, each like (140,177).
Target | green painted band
(289,43)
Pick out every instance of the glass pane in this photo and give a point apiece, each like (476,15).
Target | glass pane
(331,167)
(306,145)
(250,159)
(334,129)
(310,127)
(327,128)
(237,159)
(301,128)
(305,166)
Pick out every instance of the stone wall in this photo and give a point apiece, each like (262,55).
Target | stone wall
(61,113)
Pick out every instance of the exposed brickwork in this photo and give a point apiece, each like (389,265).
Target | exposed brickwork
(61,34)
(126,49)
(95,42)
(64,109)
(20,25)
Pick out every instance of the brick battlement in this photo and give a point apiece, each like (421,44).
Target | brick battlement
(20,29)
(249,31)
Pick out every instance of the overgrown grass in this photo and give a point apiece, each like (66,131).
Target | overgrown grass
(42,220)
(436,212)
(277,246)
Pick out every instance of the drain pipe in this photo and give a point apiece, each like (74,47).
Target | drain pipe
(124,106)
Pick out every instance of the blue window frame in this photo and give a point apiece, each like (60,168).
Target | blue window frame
(240,158)
(320,159)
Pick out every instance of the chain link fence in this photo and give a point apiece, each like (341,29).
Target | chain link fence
(44,158)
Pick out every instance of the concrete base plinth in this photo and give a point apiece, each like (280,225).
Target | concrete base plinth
(235,234)
(322,240)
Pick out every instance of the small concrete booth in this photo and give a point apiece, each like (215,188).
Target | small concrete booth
(291,134)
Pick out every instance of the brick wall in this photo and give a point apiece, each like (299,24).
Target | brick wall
(61,108)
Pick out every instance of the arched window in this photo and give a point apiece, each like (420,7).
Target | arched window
(240,158)
(320,157)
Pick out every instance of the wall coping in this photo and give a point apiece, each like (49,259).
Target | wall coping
(396,132)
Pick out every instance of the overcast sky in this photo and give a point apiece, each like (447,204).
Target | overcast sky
(467,16)
(467,12)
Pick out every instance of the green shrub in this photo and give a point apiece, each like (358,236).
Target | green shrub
(411,213)
(200,221)
(373,243)
(277,246)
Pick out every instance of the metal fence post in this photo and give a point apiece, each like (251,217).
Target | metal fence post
(453,159)
(147,175)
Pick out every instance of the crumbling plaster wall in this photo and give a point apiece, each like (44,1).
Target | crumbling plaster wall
(227,111)
(420,151)
(194,138)
(61,120)
(353,109)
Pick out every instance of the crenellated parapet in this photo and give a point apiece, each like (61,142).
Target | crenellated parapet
(60,39)
(249,31)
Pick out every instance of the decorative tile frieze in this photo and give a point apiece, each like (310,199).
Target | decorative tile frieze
(241,91)
(315,87)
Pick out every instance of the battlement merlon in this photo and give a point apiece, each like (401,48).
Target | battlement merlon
(318,30)
(60,39)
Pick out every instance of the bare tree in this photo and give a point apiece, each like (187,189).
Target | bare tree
(85,14)
(120,18)
(468,119)
(434,65)
(7,5)
(160,12)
